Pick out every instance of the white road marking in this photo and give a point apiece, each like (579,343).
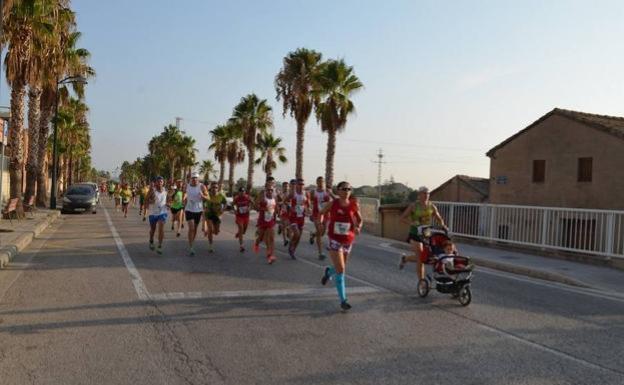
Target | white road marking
(137,281)
(306,292)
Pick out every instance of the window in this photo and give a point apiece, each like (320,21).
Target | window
(539,171)
(585,169)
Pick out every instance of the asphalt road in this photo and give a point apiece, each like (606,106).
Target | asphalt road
(89,303)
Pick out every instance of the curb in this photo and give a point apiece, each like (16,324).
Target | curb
(520,270)
(8,252)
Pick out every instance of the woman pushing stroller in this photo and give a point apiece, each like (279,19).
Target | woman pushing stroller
(417,214)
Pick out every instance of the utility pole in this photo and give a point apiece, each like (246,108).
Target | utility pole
(379,162)
(178,119)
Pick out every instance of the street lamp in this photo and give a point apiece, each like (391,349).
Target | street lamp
(67,80)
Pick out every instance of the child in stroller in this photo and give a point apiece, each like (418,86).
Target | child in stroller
(450,272)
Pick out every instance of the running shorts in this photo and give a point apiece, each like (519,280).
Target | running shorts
(191,216)
(153,219)
(338,246)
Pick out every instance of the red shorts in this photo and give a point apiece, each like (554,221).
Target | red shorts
(265,225)
(299,222)
(242,220)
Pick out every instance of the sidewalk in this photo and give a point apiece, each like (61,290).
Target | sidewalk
(22,232)
(532,265)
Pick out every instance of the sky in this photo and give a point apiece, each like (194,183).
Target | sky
(444,81)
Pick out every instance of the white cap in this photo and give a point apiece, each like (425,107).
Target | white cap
(423,189)
(195,174)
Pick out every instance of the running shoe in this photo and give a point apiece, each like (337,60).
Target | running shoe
(237,234)
(159,250)
(291,252)
(322,257)
(312,236)
(151,246)
(178,235)
(256,248)
(325,277)
(210,249)
(143,219)
(191,252)
(242,249)
(182,224)
(279,230)
(285,242)
(345,305)
(402,262)
(172,226)
(271,259)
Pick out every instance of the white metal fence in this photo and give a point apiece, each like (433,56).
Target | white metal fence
(599,232)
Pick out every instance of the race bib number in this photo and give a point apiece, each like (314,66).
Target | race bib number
(243,210)
(299,211)
(320,205)
(342,228)
(268,216)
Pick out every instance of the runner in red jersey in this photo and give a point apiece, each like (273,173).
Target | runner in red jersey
(345,223)
(283,202)
(299,208)
(319,198)
(267,206)
(241,203)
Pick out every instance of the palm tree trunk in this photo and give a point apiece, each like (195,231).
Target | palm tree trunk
(44,123)
(269,164)
(32,164)
(299,161)
(70,169)
(329,160)
(231,179)
(221,172)
(250,166)
(16,126)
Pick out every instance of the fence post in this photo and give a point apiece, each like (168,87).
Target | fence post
(450,218)
(610,233)
(492,222)
(545,218)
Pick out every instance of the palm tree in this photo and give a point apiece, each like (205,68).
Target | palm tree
(294,85)
(207,168)
(270,153)
(167,145)
(25,23)
(66,59)
(187,156)
(235,151)
(336,84)
(253,116)
(219,146)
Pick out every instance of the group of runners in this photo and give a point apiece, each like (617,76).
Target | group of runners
(284,210)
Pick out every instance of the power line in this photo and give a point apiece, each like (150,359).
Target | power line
(379,162)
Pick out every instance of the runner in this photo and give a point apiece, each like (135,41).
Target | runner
(283,204)
(125,195)
(111,190)
(157,198)
(320,197)
(142,194)
(345,222)
(299,208)
(134,195)
(177,208)
(213,209)
(117,197)
(194,195)
(241,204)
(267,205)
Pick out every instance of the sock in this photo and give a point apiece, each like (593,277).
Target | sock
(330,271)
(340,287)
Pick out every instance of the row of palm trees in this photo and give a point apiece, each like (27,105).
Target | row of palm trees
(305,84)
(41,39)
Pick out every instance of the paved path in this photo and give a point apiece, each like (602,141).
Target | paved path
(82,307)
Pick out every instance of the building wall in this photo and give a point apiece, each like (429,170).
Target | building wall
(560,141)
(456,191)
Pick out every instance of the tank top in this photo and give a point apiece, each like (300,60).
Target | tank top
(342,221)
(319,198)
(194,198)
(159,206)
(177,200)
(266,214)
(242,205)
(298,205)
(422,215)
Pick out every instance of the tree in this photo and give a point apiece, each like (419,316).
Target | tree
(253,116)
(294,85)
(270,153)
(219,147)
(167,145)
(336,84)
(207,169)
(235,151)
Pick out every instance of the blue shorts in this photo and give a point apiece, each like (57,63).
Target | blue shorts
(153,219)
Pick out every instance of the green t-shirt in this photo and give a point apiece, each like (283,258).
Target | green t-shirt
(125,195)
(214,204)
(177,200)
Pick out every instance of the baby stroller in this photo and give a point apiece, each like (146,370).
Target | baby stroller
(449,273)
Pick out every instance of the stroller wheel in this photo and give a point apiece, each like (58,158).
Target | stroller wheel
(465,295)
(423,288)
